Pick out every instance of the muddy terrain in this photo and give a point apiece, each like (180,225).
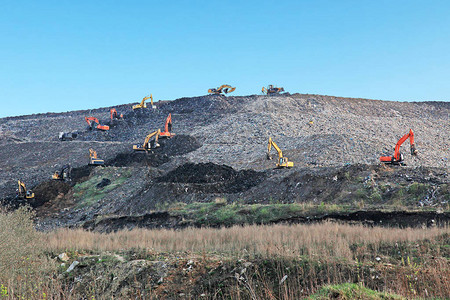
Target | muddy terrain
(219,152)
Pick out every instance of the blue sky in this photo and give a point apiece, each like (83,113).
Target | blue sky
(69,55)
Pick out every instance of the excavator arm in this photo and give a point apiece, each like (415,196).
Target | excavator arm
(397,158)
(283,162)
(22,191)
(143,104)
(92,121)
(168,128)
(145,145)
(225,88)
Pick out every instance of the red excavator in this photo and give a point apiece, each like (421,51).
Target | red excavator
(115,115)
(94,123)
(167,128)
(398,157)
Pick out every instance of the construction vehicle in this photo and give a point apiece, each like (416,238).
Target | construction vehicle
(63,174)
(93,159)
(148,145)
(94,123)
(272,90)
(283,162)
(222,89)
(143,104)
(115,115)
(397,158)
(167,128)
(68,136)
(22,192)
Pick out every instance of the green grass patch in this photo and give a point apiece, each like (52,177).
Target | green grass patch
(350,291)
(87,193)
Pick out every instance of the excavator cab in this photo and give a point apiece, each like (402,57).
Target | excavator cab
(283,161)
(93,159)
(22,192)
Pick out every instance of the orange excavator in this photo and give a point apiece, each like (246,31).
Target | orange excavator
(115,115)
(398,157)
(167,128)
(94,123)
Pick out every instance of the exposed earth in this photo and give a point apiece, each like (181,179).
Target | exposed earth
(219,152)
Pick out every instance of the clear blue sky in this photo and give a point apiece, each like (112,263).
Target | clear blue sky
(69,55)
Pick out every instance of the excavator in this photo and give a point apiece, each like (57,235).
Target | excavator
(271,90)
(222,89)
(63,174)
(167,128)
(283,162)
(94,123)
(143,104)
(22,192)
(147,145)
(93,159)
(397,158)
(115,115)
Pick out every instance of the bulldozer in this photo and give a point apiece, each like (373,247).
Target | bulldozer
(68,136)
(95,124)
(143,104)
(93,159)
(148,145)
(397,158)
(272,90)
(282,162)
(167,128)
(22,192)
(225,89)
(63,174)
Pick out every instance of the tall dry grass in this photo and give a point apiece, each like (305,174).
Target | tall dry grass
(319,240)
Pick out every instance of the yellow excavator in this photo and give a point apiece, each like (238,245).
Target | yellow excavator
(22,192)
(272,90)
(283,162)
(93,159)
(222,89)
(147,145)
(63,174)
(143,104)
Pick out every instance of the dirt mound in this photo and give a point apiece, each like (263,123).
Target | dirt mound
(49,190)
(214,178)
(177,145)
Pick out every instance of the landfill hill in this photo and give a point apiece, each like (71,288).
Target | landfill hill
(219,152)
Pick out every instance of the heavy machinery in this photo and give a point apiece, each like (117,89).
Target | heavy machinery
(222,89)
(115,115)
(22,192)
(143,104)
(167,128)
(283,162)
(94,123)
(63,174)
(148,145)
(93,159)
(397,158)
(272,90)
(68,136)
